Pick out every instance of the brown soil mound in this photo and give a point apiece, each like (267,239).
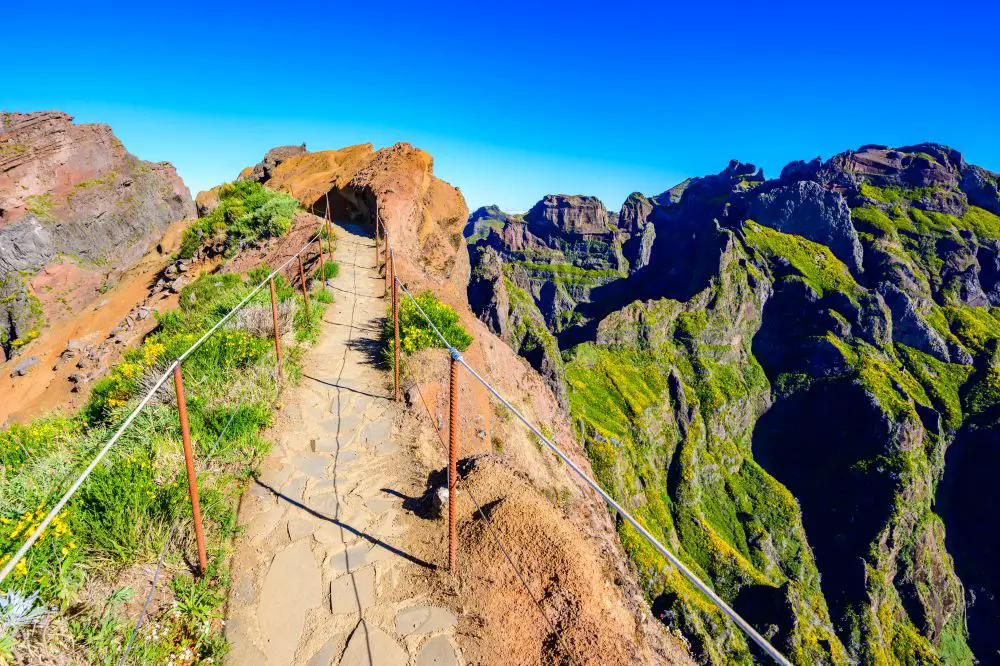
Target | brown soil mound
(586,619)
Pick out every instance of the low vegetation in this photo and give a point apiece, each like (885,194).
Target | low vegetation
(95,556)
(247,212)
(414,331)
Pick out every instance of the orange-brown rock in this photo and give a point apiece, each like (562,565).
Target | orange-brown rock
(423,213)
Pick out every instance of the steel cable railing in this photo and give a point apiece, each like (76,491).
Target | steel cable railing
(176,523)
(170,370)
(457,359)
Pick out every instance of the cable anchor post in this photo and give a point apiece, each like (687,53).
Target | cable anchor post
(189,465)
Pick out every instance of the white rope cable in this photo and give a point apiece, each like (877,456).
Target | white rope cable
(76,484)
(697,582)
(249,296)
(19,555)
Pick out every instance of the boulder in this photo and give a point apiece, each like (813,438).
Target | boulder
(24,366)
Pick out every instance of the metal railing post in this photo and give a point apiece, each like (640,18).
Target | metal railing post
(322,260)
(385,239)
(395,326)
(329,237)
(189,464)
(274,317)
(376,244)
(452,462)
(305,294)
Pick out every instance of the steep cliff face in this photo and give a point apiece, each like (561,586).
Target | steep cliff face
(72,196)
(771,376)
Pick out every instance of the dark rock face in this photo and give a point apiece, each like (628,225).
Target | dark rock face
(806,209)
(262,171)
(968,499)
(568,215)
(840,343)
(74,190)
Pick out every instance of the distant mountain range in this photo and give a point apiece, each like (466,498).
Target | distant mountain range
(795,382)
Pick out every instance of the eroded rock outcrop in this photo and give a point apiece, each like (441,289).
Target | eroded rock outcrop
(72,194)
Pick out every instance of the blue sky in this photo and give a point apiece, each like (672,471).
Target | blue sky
(518,100)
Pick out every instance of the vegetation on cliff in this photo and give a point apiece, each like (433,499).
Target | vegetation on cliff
(775,396)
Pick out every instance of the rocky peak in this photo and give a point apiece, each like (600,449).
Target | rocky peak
(568,215)
(263,169)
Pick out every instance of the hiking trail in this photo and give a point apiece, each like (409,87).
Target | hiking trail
(319,573)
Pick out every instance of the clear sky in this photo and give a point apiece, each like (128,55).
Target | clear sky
(516,100)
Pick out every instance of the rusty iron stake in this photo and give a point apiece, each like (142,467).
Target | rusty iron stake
(189,464)
(376,243)
(385,237)
(452,463)
(322,274)
(305,294)
(395,326)
(274,317)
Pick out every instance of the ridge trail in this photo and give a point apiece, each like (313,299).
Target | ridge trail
(321,574)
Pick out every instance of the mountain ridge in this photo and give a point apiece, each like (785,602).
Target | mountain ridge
(688,338)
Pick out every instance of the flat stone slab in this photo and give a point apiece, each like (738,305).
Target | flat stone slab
(352,558)
(377,432)
(299,528)
(324,504)
(327,654)
(353,592)
(345,426)
(292,491)
(291,588)
(370,646)
(437,652)
(312,465)
(424,620)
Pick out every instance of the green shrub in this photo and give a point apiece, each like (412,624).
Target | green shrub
(247,211)
(414,331)
(328,271)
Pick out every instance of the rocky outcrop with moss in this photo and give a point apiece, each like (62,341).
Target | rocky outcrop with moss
(795,383)
(73,193)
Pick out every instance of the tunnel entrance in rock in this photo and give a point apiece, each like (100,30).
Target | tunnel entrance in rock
(345,204)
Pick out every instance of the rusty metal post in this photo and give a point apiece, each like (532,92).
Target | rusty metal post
(376,244)
(452,462)
(305,294)
(385,236)
(199,533)
(395,326)
(322,274)
(274,317)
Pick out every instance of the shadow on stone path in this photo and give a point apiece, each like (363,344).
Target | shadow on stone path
(319,574)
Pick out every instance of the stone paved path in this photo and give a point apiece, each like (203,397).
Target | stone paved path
(319,576)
